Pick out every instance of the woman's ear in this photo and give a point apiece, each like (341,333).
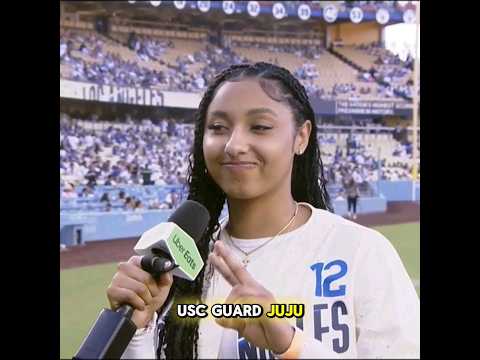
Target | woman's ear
(301,139)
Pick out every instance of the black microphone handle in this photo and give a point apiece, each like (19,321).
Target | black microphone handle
(158,263)
(113,330)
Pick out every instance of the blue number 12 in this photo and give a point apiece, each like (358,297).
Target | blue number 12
(324,287)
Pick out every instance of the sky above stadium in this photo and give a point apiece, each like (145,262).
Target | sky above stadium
(401,38)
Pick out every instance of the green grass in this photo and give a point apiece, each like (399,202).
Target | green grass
(406,239)
(82,290)
(82,296)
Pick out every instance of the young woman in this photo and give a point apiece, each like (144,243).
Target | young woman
(255,147)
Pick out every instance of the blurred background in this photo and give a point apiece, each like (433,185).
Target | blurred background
(132,74)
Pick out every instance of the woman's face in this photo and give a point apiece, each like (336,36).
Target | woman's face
(249,141)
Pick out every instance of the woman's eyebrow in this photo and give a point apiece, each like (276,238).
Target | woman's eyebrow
(260,111)
(219,114)
(252,112)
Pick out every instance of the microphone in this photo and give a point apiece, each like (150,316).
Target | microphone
(169,246)
(175,241)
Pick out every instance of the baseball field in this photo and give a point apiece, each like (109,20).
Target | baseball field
(83,288)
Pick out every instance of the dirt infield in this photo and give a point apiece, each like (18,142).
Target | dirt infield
(100,252)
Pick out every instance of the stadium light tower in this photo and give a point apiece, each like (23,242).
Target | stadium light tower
(416,74)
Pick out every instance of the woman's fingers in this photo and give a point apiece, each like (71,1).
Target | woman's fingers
(231,322)
(165,280)
(132,270)
(234,264)
(125,296)
(123,281)
(249,328)
(223,269)
(239,295)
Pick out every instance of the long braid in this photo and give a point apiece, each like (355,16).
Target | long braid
(179,339)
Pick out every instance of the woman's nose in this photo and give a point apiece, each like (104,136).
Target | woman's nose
(237,144)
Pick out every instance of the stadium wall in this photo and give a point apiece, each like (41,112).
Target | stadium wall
(349,33)
(81,227)
(94,226)
(397,190)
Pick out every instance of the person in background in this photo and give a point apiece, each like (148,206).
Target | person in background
(138,206)
(69,192)
(110,181)
(128,204)
(154,204)
(105,197)
(87,192)
(350,188)
(171,199)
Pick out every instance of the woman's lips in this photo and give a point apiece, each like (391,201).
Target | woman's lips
(239,166)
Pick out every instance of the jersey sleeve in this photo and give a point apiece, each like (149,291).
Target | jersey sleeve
(387,308)
(142,345)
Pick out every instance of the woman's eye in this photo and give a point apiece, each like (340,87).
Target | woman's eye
(261,127)
(215,127)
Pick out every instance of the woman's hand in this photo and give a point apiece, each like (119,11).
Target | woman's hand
(136,287)
(269,333)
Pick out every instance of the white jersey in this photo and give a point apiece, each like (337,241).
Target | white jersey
(359,300)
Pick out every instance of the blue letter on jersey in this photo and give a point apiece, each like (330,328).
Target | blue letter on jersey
(317,321)
(340,305)
(250,351)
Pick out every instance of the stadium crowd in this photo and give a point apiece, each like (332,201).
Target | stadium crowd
(156,153)
(147,153)
(119,155)
(85,54)
(394,73)
(302,51)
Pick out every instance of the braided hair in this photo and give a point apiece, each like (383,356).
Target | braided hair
(179,339)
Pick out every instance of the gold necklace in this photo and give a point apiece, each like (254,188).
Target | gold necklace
(246,260)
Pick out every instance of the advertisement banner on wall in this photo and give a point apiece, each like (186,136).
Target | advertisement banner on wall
(373,108)
(128,95)
(152,97)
